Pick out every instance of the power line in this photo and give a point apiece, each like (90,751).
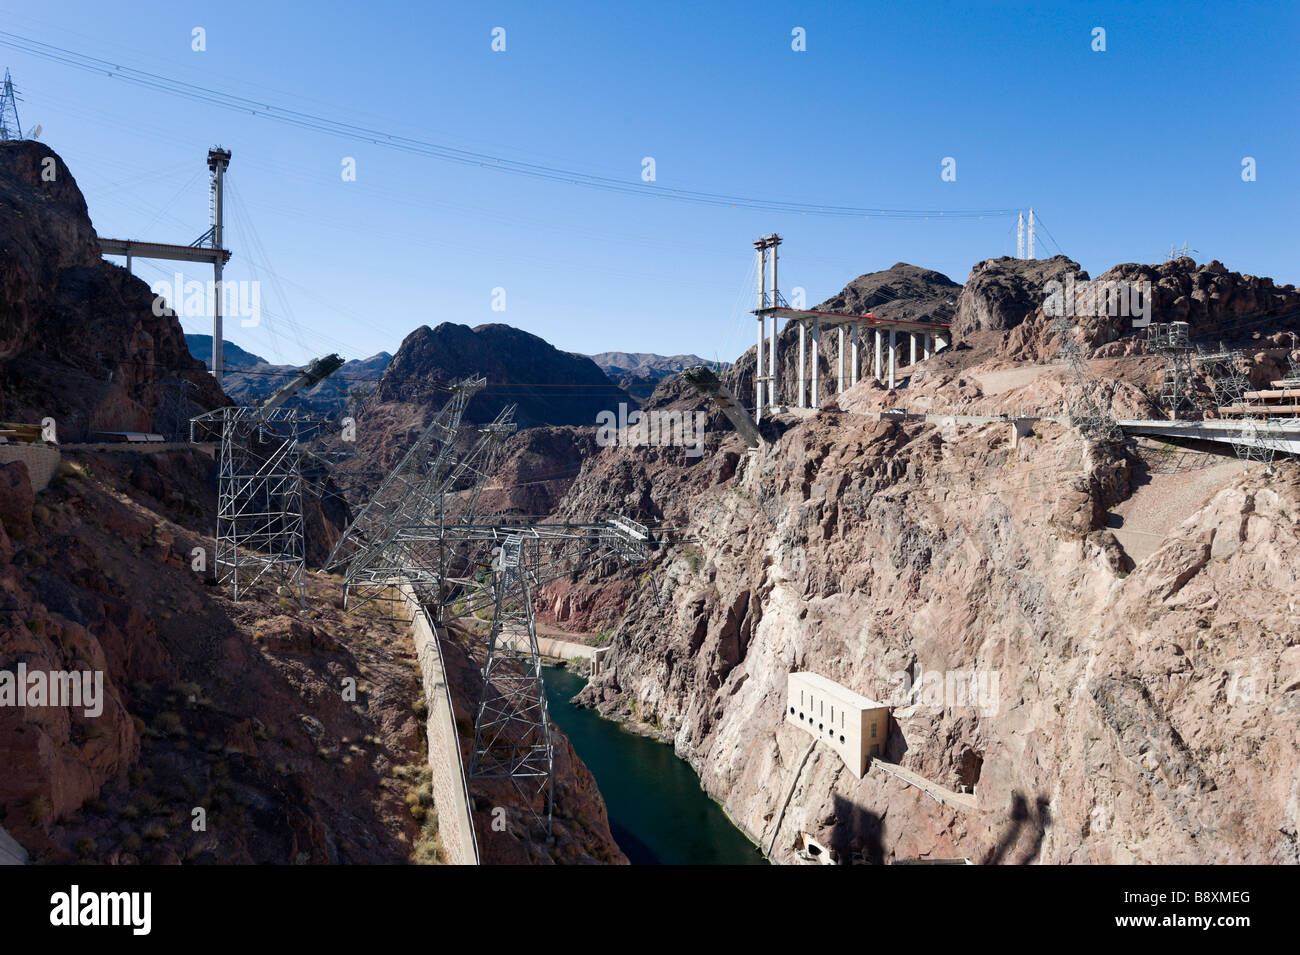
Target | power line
(378,137)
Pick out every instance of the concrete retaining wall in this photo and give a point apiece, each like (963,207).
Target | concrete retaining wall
(11,853)
(41,460)
(450,791)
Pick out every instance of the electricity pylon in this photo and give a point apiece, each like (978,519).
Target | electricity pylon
(421,530)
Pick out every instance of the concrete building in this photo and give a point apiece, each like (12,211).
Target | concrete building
(852,725)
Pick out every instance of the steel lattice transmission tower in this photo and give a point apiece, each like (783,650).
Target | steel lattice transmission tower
(1088,401)
(259,497)
(390,537)
(1170,340)
(1228,381)
(421,531)
(260,487)
(10,128)
(175,408)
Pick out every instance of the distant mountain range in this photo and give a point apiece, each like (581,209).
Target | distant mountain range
(638,373)
(498,351)
(251,378)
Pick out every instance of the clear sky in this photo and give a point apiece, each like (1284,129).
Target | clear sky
(1123,152)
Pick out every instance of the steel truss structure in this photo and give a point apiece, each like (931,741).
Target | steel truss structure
(175,408)
(259,496)
(1228,381)
(1088,401)
(421,529)
(1170,340)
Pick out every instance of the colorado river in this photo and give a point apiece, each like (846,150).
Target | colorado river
(657,811)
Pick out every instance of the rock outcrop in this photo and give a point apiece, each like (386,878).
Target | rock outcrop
(79,340)
(1139,717)
(1001,293)
(226,732)
(549,386)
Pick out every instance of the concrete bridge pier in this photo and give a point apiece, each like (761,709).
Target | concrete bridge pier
(893,355)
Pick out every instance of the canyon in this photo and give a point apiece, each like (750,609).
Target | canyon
(1142,623)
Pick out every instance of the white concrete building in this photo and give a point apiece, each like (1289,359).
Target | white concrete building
(852,725)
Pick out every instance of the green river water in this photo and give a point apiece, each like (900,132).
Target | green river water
(657,811)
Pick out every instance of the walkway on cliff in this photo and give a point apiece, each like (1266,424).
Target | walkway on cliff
(962,801)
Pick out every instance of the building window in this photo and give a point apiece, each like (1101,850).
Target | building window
(819,727)
(873,730)
(800,716)
(792,711)
(841,739)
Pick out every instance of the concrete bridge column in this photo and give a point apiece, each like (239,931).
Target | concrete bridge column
(926,339)
(893,355)
(853,374)
(879,339)
(911,336)
(839,388)
(816,354)
(803,361)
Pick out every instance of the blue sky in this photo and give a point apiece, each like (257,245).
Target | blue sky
(1122,152)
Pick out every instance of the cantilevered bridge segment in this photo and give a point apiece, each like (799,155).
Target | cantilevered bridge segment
(206,248)
(924,339)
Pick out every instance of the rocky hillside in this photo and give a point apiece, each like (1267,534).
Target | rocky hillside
(864,550)
(331,398)
(225,732)
(237,709)
(250,379)
(1144,707)
(233,357)
(78,338)
(548,385)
